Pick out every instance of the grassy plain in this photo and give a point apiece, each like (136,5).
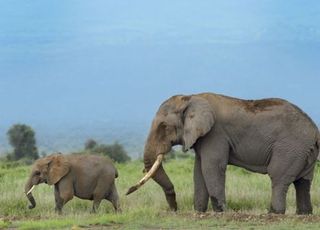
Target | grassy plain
(248,196)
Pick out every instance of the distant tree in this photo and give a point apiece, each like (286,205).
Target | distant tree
(90,144)
(22,139)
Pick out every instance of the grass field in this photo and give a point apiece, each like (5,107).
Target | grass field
(248,197)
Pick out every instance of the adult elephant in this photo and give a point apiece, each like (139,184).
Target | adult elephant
(268,136)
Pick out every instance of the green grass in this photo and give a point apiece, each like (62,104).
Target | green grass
(248,197)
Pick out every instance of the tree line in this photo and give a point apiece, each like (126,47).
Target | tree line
(23,141)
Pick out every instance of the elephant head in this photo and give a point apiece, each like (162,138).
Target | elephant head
(47,170)
(180,120)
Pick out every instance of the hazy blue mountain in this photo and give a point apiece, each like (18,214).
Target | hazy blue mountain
(80,69)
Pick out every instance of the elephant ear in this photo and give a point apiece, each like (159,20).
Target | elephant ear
(198,120)
(59,166)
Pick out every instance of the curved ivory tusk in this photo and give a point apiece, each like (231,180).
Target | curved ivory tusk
(31,189)
(149,174)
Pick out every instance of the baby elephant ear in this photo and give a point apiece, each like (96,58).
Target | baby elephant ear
(198,120)
(59,166)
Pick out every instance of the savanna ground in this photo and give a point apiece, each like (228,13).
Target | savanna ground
(248,196)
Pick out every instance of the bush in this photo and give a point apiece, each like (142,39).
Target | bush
(114,151)
(90,144)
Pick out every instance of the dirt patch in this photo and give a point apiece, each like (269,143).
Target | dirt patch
(20,218)
(101,226)
(263,218)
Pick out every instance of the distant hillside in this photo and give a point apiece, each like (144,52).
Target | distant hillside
(68,138)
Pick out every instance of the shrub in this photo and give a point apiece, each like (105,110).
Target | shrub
(114,151)
(90,144)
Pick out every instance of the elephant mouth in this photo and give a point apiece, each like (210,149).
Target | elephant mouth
(42,180)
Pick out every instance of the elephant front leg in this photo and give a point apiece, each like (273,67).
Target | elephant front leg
(163,180)
(214,153)
(213,171)
(58,200)
(63,192)
(201,195)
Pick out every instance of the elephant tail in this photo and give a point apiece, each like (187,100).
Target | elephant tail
(318,140)
(318,145)
(116,173)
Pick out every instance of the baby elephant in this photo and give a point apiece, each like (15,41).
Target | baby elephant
(85,176)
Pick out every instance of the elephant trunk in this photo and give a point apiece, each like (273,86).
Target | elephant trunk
(27,189)
(161,177)
(154,169)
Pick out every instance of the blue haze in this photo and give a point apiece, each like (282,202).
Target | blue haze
(80,69)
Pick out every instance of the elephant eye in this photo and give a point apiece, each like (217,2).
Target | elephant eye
(37,173)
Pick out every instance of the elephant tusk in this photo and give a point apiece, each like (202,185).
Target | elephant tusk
(31,189)
(149,174)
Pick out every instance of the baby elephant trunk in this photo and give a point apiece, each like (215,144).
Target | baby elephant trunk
(27,189)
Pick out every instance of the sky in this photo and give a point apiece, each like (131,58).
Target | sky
(85,62)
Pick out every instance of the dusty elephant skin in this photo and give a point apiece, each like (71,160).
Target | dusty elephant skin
(268,136)
(87,177)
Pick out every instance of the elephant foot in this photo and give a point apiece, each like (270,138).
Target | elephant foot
(171,199)
(174,208)
(304,212)
(217,206)
(201,209)
(274,211)
(201,215)
(58,211)
(218,209)
(31,206)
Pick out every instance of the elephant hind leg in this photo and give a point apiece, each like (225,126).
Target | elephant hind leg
(278,198)
(100,191)
(303,199)
(113,197)
(283,170)
(95,205)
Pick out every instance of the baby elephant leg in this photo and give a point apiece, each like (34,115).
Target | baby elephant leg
(113,197)
(96,204)
(98,194)
(62,193)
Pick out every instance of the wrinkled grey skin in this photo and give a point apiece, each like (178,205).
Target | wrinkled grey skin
(269,136)
(87,177)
